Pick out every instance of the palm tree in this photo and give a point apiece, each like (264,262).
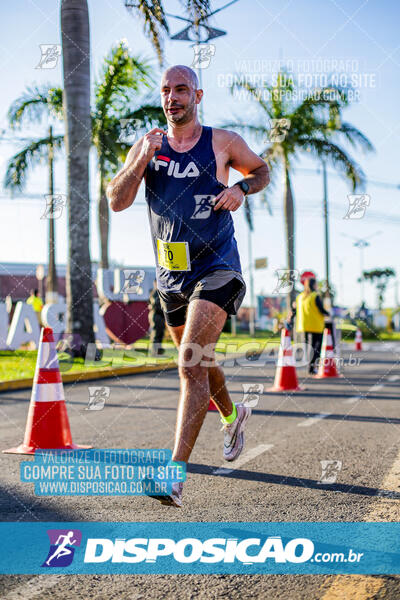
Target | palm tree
(15,179)
(314,125)
(121,78)
(78,135)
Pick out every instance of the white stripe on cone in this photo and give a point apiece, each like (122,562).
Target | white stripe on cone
(285,356)
(48,392)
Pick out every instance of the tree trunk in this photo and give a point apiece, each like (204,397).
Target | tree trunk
(51,282)
(76,64)
(103,220)
(289,228)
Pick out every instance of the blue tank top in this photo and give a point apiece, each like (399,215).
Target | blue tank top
(180,189)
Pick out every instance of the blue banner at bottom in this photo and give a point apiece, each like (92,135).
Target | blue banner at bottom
(190,548)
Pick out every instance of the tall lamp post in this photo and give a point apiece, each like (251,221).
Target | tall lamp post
(361,244)
(199,32)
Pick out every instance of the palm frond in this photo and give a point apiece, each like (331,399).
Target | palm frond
(26,159)
(196,9)
(121,75)
(355,137)
(255,93)
(154,21)
(335,155)
(34,103)
(257,132)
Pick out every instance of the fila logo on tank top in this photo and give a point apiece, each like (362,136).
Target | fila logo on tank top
(190,239)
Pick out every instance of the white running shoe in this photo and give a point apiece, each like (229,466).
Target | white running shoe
(234,433)
(173,499)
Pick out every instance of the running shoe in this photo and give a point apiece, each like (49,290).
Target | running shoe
(172,499)
(234,433)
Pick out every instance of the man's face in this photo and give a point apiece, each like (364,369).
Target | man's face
(179,97)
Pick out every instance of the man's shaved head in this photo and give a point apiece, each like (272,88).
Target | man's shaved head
(180,94)
(185,72)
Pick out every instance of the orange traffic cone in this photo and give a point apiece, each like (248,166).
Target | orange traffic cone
(47,426)
(285,376)
(358,340)
(327,362)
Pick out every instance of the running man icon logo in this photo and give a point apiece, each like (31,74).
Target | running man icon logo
(330,470)
(358,204)
(54,205)
(97,397)
(204,206)
(50,53)
(252,393)
(132,281)
(286,280)
(202,55)
(62,547)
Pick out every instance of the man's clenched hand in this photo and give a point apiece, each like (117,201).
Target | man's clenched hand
(152,142)
(229,199)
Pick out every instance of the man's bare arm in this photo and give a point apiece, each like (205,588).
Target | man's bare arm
(247,162)
(122,190)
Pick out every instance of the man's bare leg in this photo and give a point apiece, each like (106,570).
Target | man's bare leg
(216,378)
(203,327)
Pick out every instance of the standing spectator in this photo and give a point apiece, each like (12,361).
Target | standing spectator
(310,320)
(157,322)
(37,304)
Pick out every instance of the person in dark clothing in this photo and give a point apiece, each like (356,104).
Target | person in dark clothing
(310,321)
(157,322)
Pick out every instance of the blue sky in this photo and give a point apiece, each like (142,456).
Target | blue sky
(361,36)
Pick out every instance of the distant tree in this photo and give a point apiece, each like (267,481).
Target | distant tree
(290,128)
(381,278)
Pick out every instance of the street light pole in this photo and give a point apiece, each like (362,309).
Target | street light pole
(252,326)
(361,243)
(326,222)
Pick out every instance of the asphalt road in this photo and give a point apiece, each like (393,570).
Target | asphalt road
(354,420)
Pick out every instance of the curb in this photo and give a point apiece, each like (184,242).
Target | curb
(106,373)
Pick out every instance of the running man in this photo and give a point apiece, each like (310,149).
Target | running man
(186,171)
(62,549)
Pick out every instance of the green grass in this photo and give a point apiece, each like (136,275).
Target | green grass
(21,364)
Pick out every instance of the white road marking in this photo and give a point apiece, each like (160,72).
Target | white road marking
(376,387)
(245,458)
(393,377)
(35,587)
(352,400)
(312,420)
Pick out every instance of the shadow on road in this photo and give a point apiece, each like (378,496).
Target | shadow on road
(16,505)
(292,481)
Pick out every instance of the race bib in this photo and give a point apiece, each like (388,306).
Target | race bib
(173,256)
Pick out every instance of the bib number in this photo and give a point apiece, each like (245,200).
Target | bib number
(173,256)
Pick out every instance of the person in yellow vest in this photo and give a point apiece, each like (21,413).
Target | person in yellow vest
(37,304)
(310,321)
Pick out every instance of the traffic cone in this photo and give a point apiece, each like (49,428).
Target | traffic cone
(358,340)
(47,426)
(285,376)
(327,362)
(212,407)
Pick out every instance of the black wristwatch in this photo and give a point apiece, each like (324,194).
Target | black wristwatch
(243,186)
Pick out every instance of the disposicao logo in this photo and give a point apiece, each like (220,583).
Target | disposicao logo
(190,550)
(62,547)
